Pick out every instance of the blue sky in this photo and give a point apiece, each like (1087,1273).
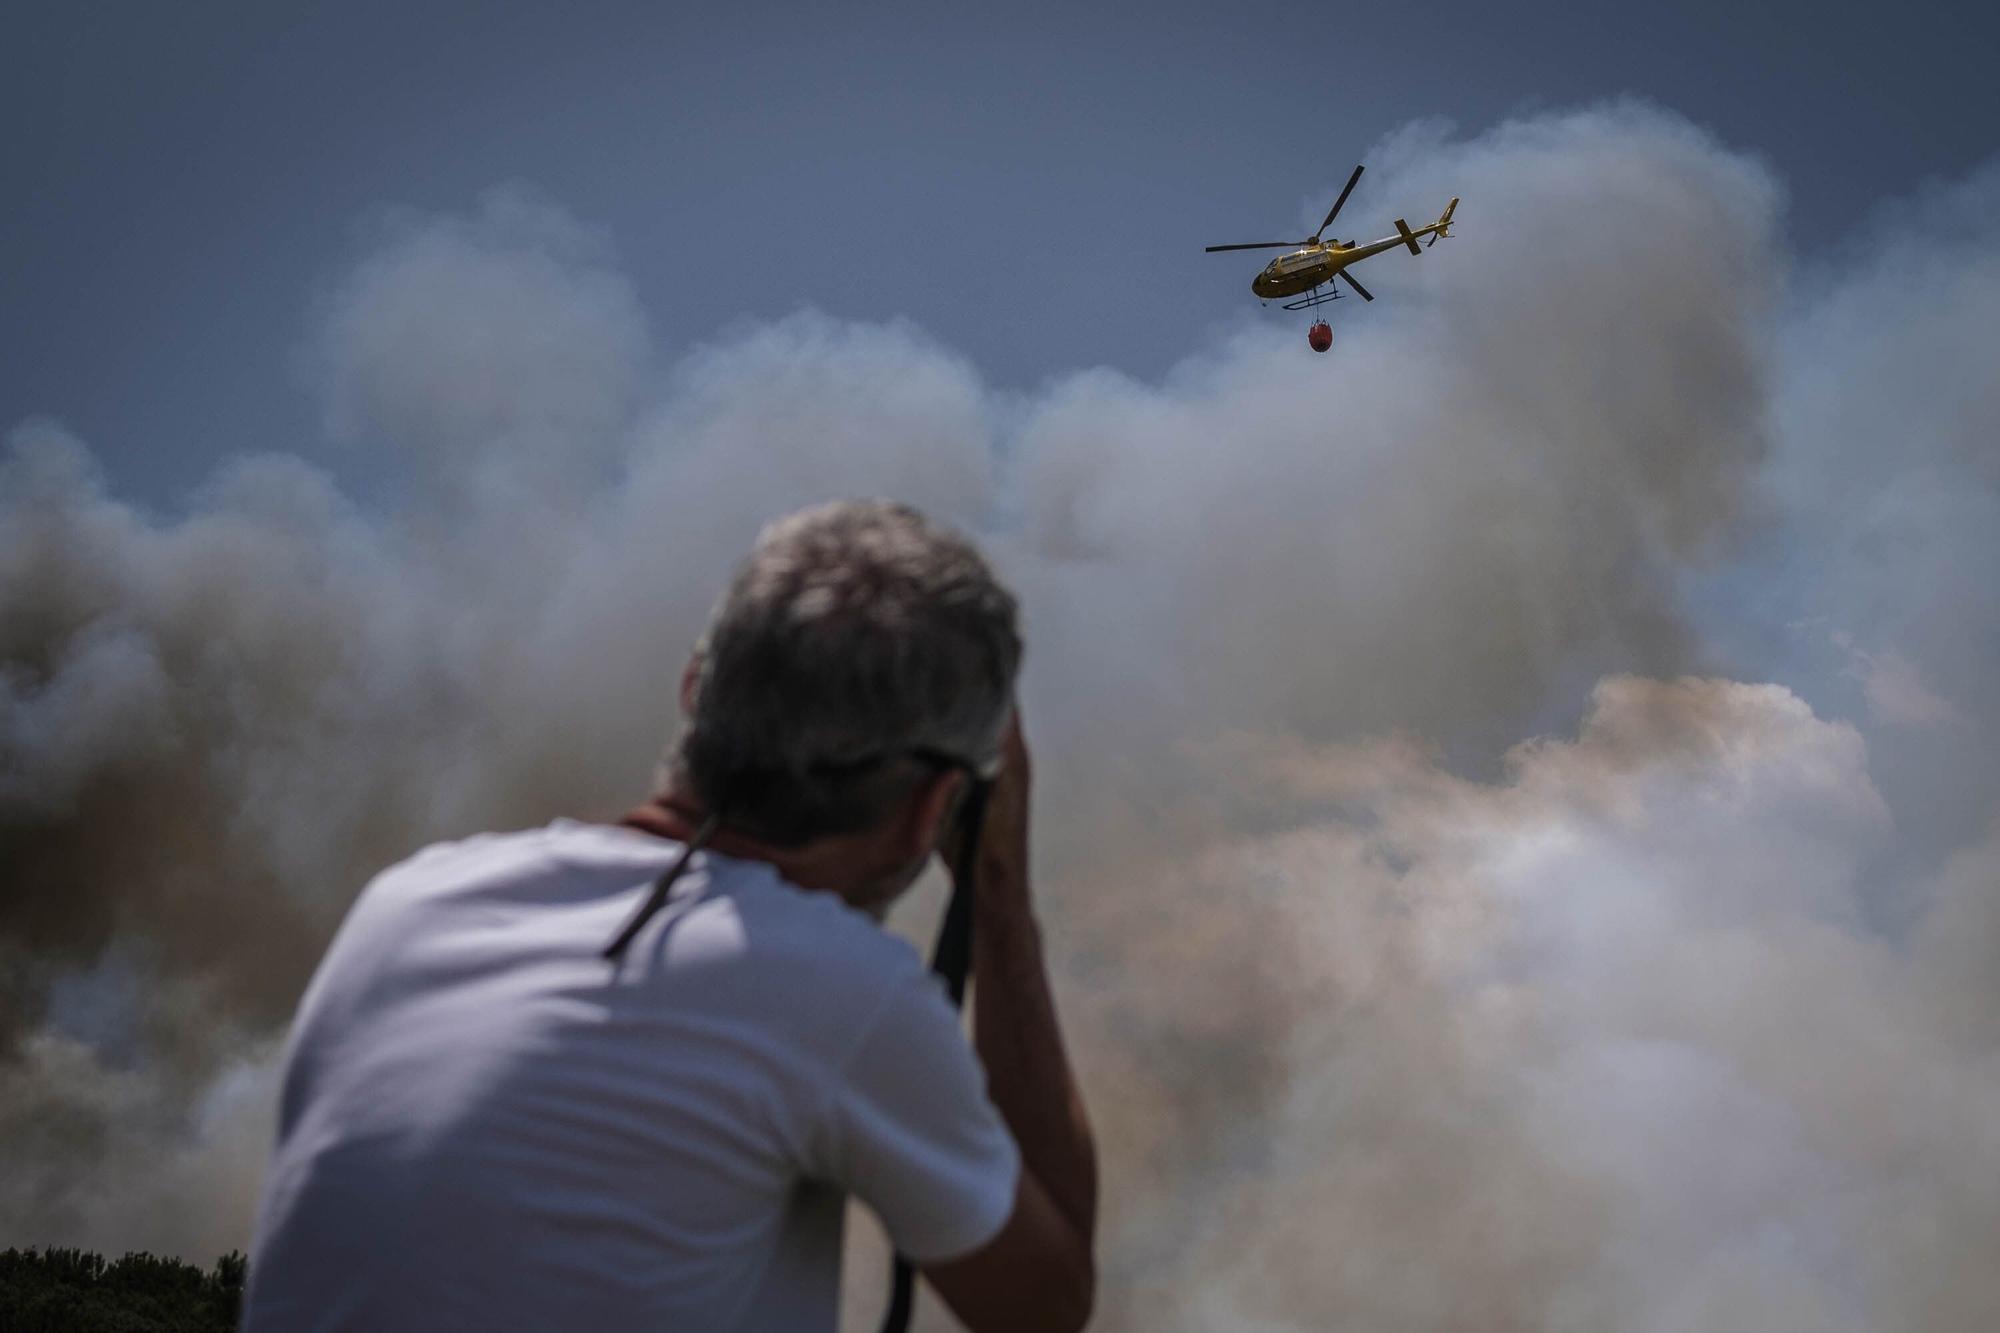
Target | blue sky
(1032,185)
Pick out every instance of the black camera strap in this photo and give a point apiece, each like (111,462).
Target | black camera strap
(662,886)
(951,959)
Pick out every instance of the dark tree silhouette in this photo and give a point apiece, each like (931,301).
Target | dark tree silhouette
(72,1291)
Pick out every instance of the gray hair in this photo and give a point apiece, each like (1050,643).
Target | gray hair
(856,636)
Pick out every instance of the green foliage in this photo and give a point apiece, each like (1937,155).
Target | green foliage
(71,1291)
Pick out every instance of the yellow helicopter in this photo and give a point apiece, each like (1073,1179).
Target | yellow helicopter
(1314,263)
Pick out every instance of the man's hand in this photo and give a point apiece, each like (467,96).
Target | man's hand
(1002,854)
(1002,865)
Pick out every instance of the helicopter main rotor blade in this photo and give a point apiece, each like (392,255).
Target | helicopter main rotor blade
(1349,277)
(1338,202)
(1256,245)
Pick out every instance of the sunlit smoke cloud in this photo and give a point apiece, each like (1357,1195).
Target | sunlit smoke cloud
(1677,1016)
(1605,1043)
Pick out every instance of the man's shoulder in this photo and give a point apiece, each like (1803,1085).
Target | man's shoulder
(419,893)
(761,949)
(744,931)
(447,853)
(821,936)
(480,857)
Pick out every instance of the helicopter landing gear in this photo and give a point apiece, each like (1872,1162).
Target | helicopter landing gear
(1313,298)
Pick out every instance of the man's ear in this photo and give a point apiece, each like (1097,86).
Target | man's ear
(690,682)
(929,811)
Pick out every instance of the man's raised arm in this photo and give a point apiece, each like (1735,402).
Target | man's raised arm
(1039,1271)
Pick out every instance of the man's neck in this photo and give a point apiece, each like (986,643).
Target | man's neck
(673,814)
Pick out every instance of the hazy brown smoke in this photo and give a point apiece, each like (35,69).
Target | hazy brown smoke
(1606,1044)
(1678,1017)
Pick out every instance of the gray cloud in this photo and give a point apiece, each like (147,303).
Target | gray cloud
(1389,1020)
(508,331)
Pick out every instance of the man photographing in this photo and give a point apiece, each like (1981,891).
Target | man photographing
(625,1076)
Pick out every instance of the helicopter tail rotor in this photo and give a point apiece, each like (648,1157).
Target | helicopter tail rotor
(1443,224)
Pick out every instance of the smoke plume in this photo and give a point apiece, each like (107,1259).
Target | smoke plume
(1519,823)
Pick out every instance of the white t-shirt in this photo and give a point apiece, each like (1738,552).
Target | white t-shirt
(485,1124)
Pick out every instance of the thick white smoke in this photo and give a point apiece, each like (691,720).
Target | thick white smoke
(1608,1043)
(1679,1016)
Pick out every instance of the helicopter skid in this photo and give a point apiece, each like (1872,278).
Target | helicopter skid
(1313,298)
